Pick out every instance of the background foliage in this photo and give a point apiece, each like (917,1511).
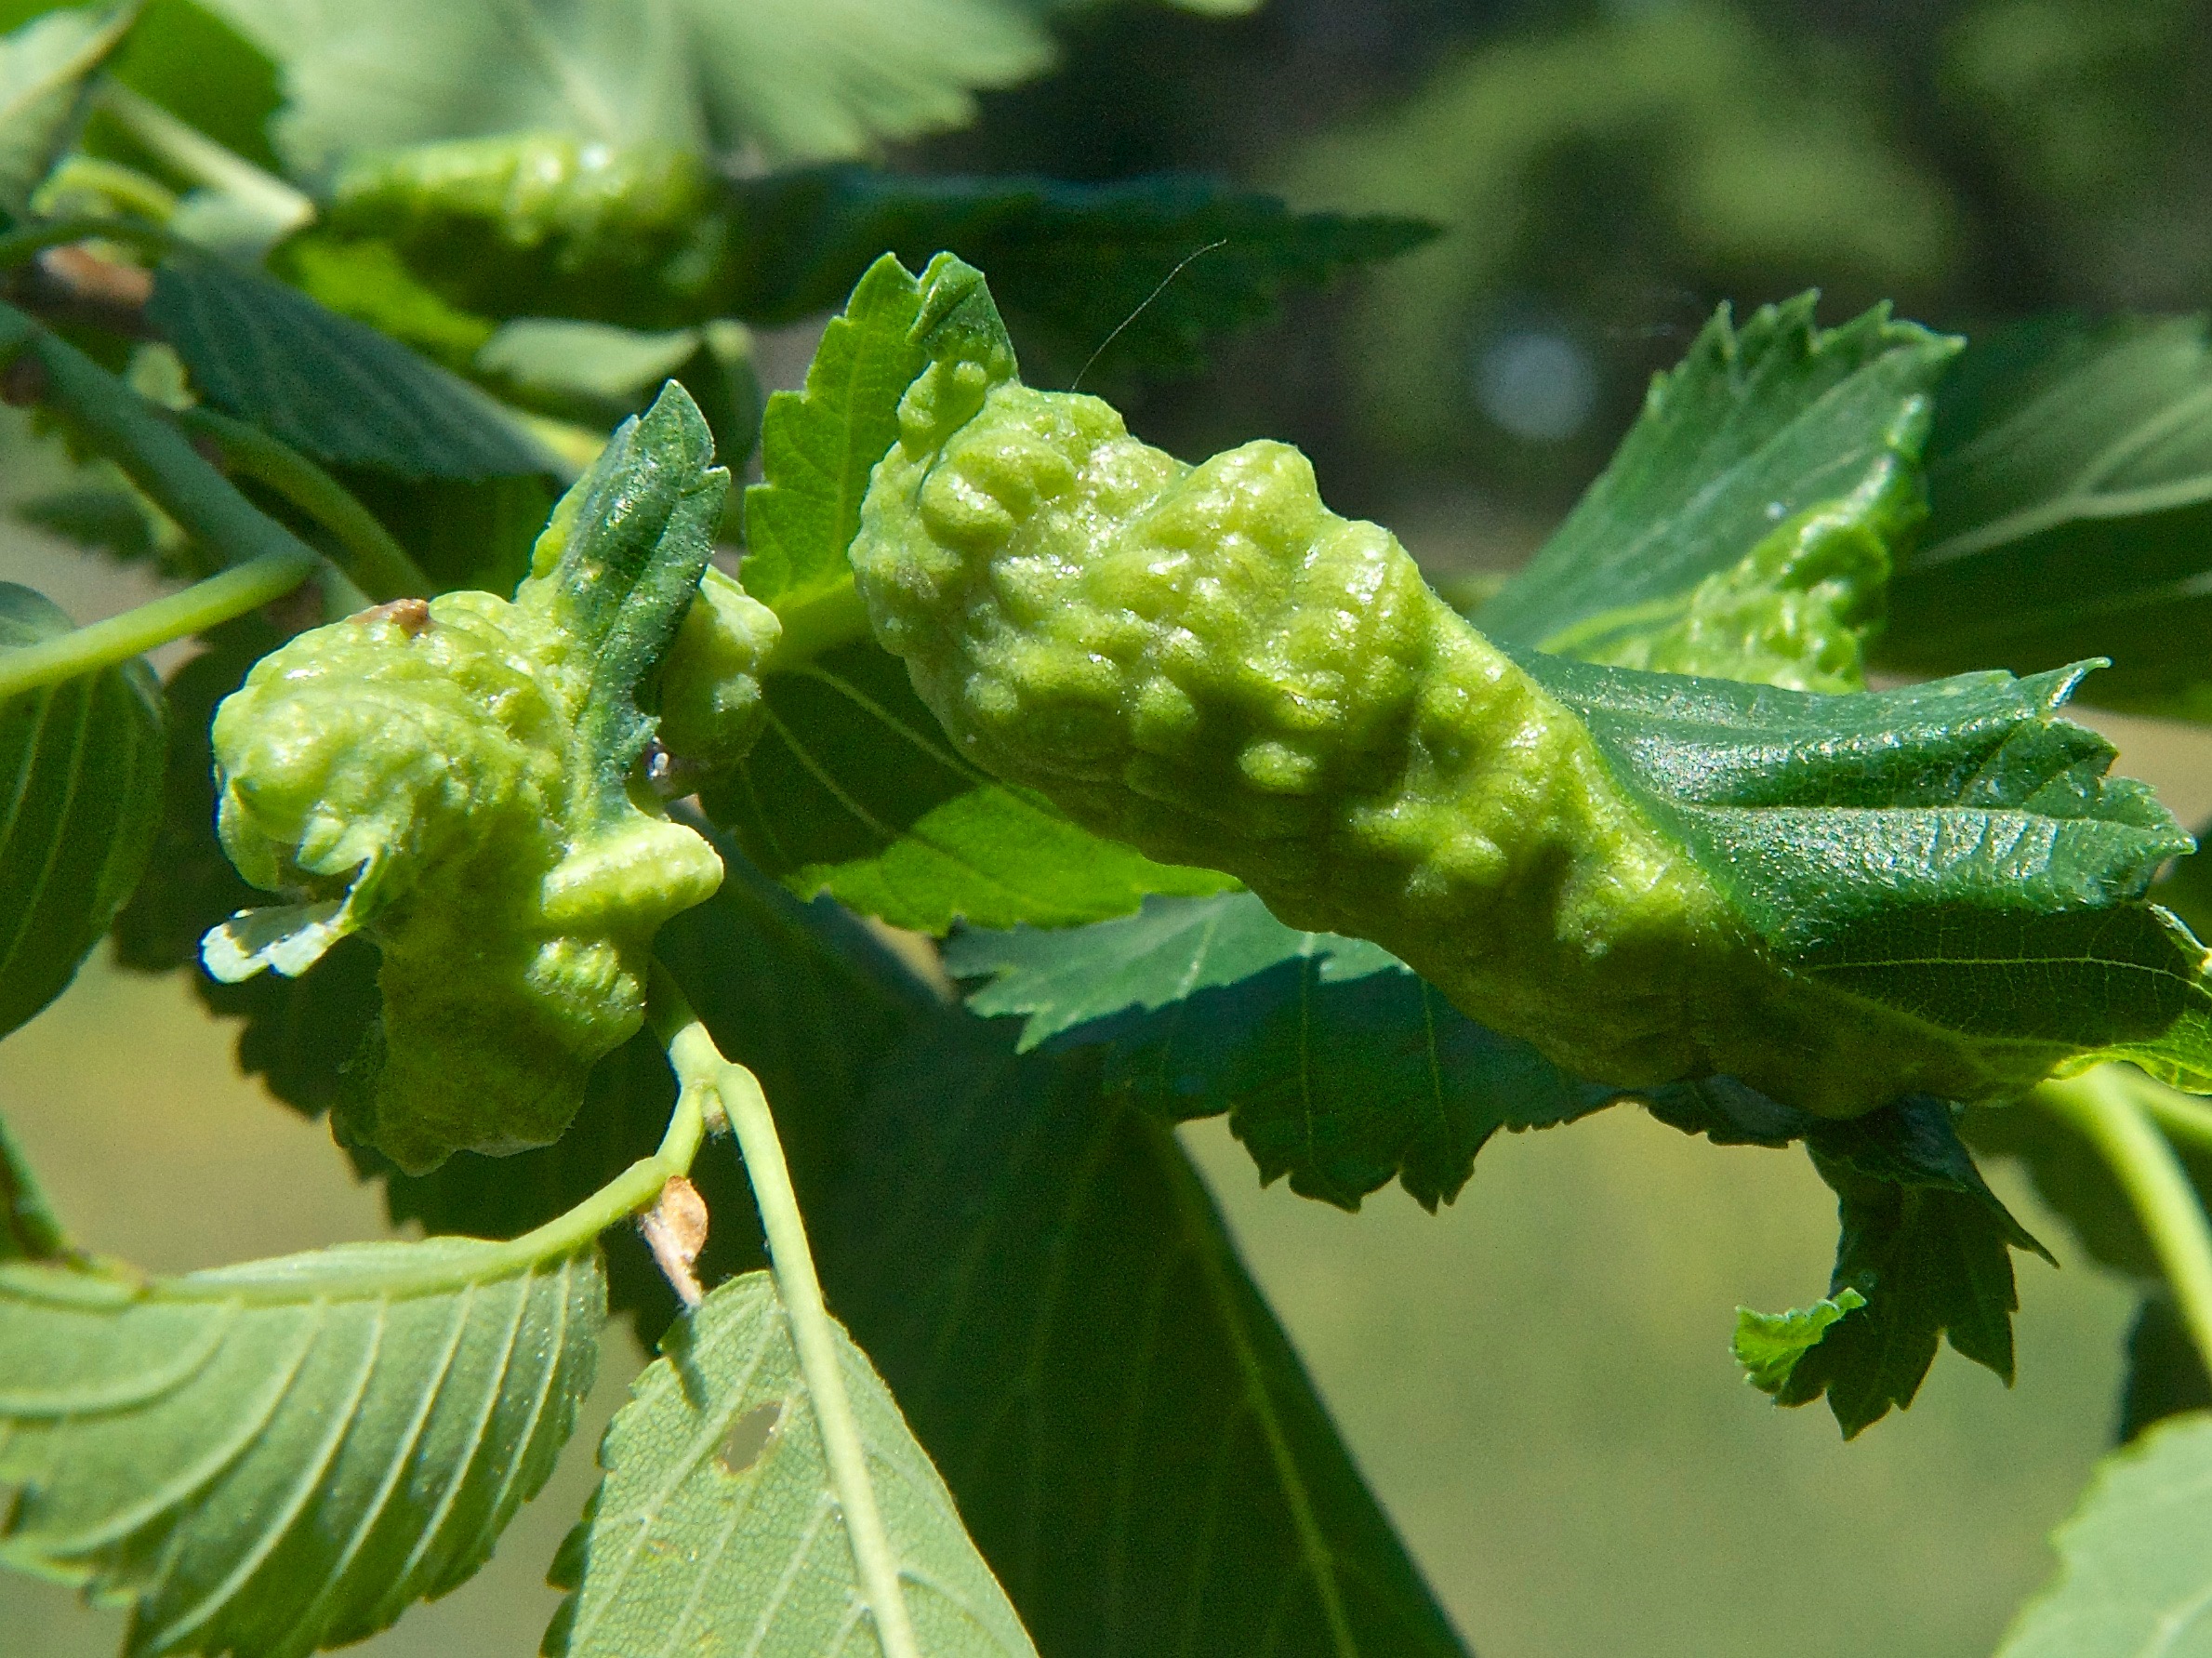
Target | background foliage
(1606,175)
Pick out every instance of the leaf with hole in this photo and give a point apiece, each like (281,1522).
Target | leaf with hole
(717,1531)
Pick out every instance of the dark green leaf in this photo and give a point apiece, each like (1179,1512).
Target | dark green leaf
(80,777)
(1172,949)
(1952,852)
(631,539)
(1046,1285)
(464,534)
(47,69)
(2166,1373)
(28,1229)
(1077,261)
(2135,1559)
(855,791)
(717,1531)
(1746,524)
(1927,1244)
(643,237)
(1336,1065)
(332,388)
(285,1454)
(2069,481)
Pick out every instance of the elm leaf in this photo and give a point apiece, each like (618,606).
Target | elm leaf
(334,389)
(717,1528)
(80,800)
(285,1454)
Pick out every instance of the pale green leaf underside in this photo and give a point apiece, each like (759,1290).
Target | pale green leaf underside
(2070,482)
(80,797)
(283,1455)
(798,80)
(717,1532)
(2135,1573)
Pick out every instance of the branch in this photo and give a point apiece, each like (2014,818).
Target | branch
(2104,1107)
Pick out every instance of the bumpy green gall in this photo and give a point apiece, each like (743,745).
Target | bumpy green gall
(1207,663)
(410,772)
(711,707)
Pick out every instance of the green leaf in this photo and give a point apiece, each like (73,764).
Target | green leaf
(1174,948)
(583,370)
(202,70)
(285,1454)
(1128,1435)
(1335,1065)
(80,800)
(819,446)
(788,79)
(1952,852)
(717,1531)
(1746,525)
(2165,1373)
(620,562)
(2069,481)
(1079,261)
(855,791)
(28,1229)
(2135,1559)
(332,388)
(1770,1345)
(47,69)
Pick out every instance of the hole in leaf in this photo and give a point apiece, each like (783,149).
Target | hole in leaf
(749,1438)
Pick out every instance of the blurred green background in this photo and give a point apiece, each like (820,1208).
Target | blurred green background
(1537,1379)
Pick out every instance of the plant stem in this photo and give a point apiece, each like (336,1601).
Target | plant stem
(31,240)
(205,162)
(148,445)
(700,1067)
(210,603)
(380,564)
(2104,1107)
(2180,1115)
